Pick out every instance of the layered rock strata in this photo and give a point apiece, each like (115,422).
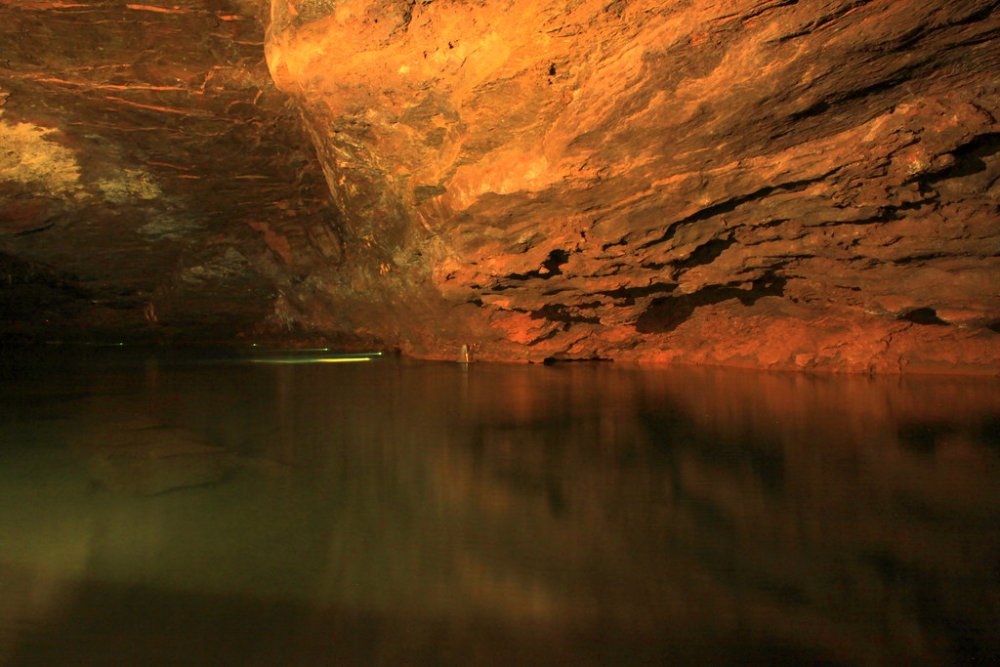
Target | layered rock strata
(766,183)
(153,182)
(756,182)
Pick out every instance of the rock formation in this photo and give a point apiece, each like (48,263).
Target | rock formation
(143,458)
(153,183)
(768,183)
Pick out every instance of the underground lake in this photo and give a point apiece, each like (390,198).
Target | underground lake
(163,507)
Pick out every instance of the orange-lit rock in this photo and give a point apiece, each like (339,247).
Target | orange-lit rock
(761,183)
(764,183)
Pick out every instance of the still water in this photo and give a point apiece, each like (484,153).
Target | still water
(161,510)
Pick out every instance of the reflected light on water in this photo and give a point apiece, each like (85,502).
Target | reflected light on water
(310,360)
(310,356)
(407,513)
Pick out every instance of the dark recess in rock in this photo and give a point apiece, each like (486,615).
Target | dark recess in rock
(424,192)
(665,314)
(926,316)
(28,289)
(919,258)
(630,294)
(550,267)
(727,206)
(706,253)
(969,158)
(815,110)
(557,312)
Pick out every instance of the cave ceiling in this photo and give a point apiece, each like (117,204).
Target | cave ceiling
(768,183)
(153,182)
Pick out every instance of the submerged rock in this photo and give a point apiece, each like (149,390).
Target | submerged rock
(153,459)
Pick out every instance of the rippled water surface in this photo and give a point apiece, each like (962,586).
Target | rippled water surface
(160,509)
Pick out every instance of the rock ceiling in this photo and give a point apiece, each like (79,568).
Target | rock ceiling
(770,183)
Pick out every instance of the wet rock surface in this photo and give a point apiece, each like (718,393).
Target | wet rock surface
(761,183)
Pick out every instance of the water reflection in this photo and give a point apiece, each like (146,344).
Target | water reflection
(445,514)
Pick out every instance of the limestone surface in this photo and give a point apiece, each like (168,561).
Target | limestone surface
(771,183)
(752,182)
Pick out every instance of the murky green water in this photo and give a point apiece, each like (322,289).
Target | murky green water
(169,510)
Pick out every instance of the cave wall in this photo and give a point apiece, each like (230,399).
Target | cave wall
(154,184)
(770,183)
(754,182)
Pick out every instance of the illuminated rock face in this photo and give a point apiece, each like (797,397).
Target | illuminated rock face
(765,183)
(153,181)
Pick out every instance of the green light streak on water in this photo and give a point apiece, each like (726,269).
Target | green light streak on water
(310,360)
